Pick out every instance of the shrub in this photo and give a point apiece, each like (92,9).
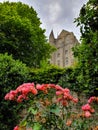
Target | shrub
(51,107)
(12,73)
(49,75)
(66,77)
(69,79)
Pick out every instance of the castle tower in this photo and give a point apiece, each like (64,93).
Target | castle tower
(64,43)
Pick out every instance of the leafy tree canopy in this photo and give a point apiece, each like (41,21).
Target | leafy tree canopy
(88,18)
(21,34)
(87,52)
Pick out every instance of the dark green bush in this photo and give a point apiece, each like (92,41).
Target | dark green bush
(49,75)
(68,79)
(12,74)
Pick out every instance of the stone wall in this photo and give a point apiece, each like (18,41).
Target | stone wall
(64,43)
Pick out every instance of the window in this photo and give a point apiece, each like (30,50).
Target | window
(58,55)
(58,62)
(66,51)
(66,61)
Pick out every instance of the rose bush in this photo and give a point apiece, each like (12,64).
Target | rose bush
(50,106)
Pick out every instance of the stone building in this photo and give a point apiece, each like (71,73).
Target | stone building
(63,56)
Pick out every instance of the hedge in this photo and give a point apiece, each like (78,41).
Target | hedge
(12,74)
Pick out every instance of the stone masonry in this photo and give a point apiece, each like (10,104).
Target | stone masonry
(63,56)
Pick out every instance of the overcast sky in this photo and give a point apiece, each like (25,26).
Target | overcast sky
(57,14)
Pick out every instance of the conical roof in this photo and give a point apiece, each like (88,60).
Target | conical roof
(51,35)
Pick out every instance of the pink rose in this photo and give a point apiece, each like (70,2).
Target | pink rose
(16,128)
(86,107)
(66,90)
(75,100)
(57,87)
(39,87)
(91,99)
(87,114)
(59,93)
(34,91)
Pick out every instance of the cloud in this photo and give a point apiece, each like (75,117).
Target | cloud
(60,14)
(57,14)
(54,11)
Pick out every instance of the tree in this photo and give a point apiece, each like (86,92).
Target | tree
(21,34)
(12,73)
(87,52)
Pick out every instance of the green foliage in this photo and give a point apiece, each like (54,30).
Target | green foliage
(87,52)
(82,124)
(50,74)
(68,79)
(46,110)
(12,74)
(44,64)
(88,18)
(21,34)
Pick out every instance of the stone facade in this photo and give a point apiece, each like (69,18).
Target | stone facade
(63,57)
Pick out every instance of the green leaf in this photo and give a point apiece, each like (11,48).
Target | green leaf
(31,110)
(37,126)
(23,123)
(55,110)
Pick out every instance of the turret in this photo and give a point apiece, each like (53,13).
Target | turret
(52,38)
